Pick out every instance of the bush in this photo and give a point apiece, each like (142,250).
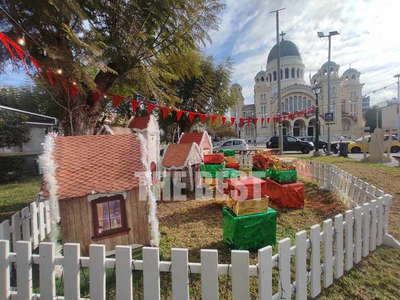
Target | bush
(11,168)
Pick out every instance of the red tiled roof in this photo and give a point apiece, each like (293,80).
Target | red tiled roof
(191,137)
(139,122)
(176,155)
(100,163)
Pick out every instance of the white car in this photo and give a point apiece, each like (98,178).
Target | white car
(235,144)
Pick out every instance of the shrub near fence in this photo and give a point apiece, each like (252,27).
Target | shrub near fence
(345,241)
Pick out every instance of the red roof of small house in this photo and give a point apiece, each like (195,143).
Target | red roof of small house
(139,122)
(176,155)
(192,137)
(96,163)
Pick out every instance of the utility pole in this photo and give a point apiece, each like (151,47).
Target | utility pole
(398,86)
(280,128)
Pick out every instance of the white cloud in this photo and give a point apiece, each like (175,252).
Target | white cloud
(368,38)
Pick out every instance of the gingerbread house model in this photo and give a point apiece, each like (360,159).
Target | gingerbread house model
(95,185)
(147,126)
(183,162)
(202,139)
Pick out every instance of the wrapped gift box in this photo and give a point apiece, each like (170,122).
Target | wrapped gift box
(286,195)
(211,170)
(262,174)
(230,159)
(228,152)
(249,232)
(247,188)
(261,162)
(288,176)
(215,158)
(248,207)
(282,163)
(234,165)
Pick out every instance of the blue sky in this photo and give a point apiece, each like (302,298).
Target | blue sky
(369,39)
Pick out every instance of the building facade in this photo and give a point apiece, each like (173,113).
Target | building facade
(297,95)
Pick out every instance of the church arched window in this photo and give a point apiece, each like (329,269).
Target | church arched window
(347,78)
(353,77)
(298,73)
(286,73)
(286,104)
(304,103)
(281,74)
(262,78)
(295,103)
(257,80)
(325,72)
(274,75)
(293,73)
(309,104)
(332,71)
(299,106)
(283,106)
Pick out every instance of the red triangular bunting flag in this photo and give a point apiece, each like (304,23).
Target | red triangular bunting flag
(150,108)
(96,96)
(165,112)
(268,120)
(191,116)
(213,118)
(284,117)
(135,105)
(223,119)
(248,121)
(3,39)
(255,121)
(232,121)
(179,114)
(50,79)
(241,122)
(262,121)
(274,119)
(202,118)
(36,64)
(74,90)
(117,100)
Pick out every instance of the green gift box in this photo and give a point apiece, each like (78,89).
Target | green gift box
(288,176)
(211,170)
(228,152)
(230,173)
(249,232)
(262,174)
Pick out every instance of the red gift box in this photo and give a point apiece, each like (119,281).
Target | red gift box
(216,158)
(286,195)
(232,166)
(247,188)
(261,162)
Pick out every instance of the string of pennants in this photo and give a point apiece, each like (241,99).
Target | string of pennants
(57,81)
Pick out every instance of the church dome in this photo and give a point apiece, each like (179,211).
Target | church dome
(287,48)
(325,65)
(261,73)
(349,71)
(236,85)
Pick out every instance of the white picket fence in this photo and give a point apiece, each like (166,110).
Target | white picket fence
(342,242)
(31,224)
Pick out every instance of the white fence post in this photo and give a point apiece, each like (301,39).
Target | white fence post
(5,230)
(16,228)
(366,224)
(338,246)
(373,233)
(123,266)
(209,274)
(41,221)
(72,271)
(328,264)
(151,273)
(4,270)
(180,279)
(46,271)
(380,221)
(97,272)
(24,270)
(315,261)
(240,275)
(301,265)
(265,273)
(26,231)
(349,239)
(285,288)
(48,216)
(34,224)
(358,235)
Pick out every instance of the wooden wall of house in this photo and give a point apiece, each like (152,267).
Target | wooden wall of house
(77,225)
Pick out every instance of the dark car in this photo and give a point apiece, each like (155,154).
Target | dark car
(322,144)
(290,143)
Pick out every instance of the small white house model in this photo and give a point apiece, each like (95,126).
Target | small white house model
(202,139)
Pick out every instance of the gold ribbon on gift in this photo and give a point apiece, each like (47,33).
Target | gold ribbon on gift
(248,207)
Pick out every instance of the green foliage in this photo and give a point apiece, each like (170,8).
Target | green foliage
(13,129)
(11,168)
(127,47)
(370,117)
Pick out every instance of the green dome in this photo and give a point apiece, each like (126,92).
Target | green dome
(261,73)
(325,65)
(236,85)
(350,70)
(287,48)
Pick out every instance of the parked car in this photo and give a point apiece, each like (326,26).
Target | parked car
(357,146)
(236,144)
(322,144)
(290,143)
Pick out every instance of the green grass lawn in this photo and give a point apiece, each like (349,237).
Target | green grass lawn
(15,195)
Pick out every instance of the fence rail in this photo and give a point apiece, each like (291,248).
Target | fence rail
(317,258)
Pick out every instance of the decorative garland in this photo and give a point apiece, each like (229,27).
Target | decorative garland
(70,87)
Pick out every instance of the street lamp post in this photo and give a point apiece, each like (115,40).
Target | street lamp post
(322,35)
(316,90)
(398,86)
